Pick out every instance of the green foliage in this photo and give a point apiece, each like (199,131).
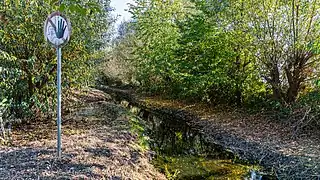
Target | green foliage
(226,51)
(185,52)
(285,34)
(263,54)
(157,35)
(28,63)
(139,129)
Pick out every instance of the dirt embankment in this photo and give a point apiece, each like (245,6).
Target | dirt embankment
(96,140)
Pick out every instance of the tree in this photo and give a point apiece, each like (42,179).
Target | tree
(189,50)
(119,67)
(157,33)
(286,33)
(28,63)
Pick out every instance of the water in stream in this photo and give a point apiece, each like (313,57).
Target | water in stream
(181,152)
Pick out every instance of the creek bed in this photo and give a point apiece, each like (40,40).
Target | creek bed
(182,151)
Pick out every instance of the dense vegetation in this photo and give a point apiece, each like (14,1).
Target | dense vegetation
(28,63)
(261,54)
(247,53)
(249,56)
(246,56)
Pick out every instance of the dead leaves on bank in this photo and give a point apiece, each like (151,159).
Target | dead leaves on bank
(96,144)
(251,137)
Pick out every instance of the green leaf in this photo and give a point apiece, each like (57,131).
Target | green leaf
(73,8)
(54,2)
(62,7)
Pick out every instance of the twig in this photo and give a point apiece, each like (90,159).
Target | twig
(298,125)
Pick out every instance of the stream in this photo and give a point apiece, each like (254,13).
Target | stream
(182,151)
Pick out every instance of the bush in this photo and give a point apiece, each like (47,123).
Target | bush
(28,63)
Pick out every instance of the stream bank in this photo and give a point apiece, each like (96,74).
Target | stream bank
(182,150)
(251,138)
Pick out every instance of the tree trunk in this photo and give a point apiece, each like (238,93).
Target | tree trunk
(294,87)
(275,83)
(238,94)
(296,76)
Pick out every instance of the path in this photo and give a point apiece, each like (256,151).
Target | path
(97,144)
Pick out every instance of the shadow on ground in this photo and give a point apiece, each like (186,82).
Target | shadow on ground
(96,144)
(29,163)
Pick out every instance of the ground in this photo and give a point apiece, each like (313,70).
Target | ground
(96,140)
(98,143)
(262,140)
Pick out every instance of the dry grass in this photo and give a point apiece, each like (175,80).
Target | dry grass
(97,144)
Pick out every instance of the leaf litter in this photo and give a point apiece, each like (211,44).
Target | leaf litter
(96,144)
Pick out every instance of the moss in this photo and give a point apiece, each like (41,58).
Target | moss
(191,167)
(226,169)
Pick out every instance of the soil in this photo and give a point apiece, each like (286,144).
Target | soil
(96,140)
